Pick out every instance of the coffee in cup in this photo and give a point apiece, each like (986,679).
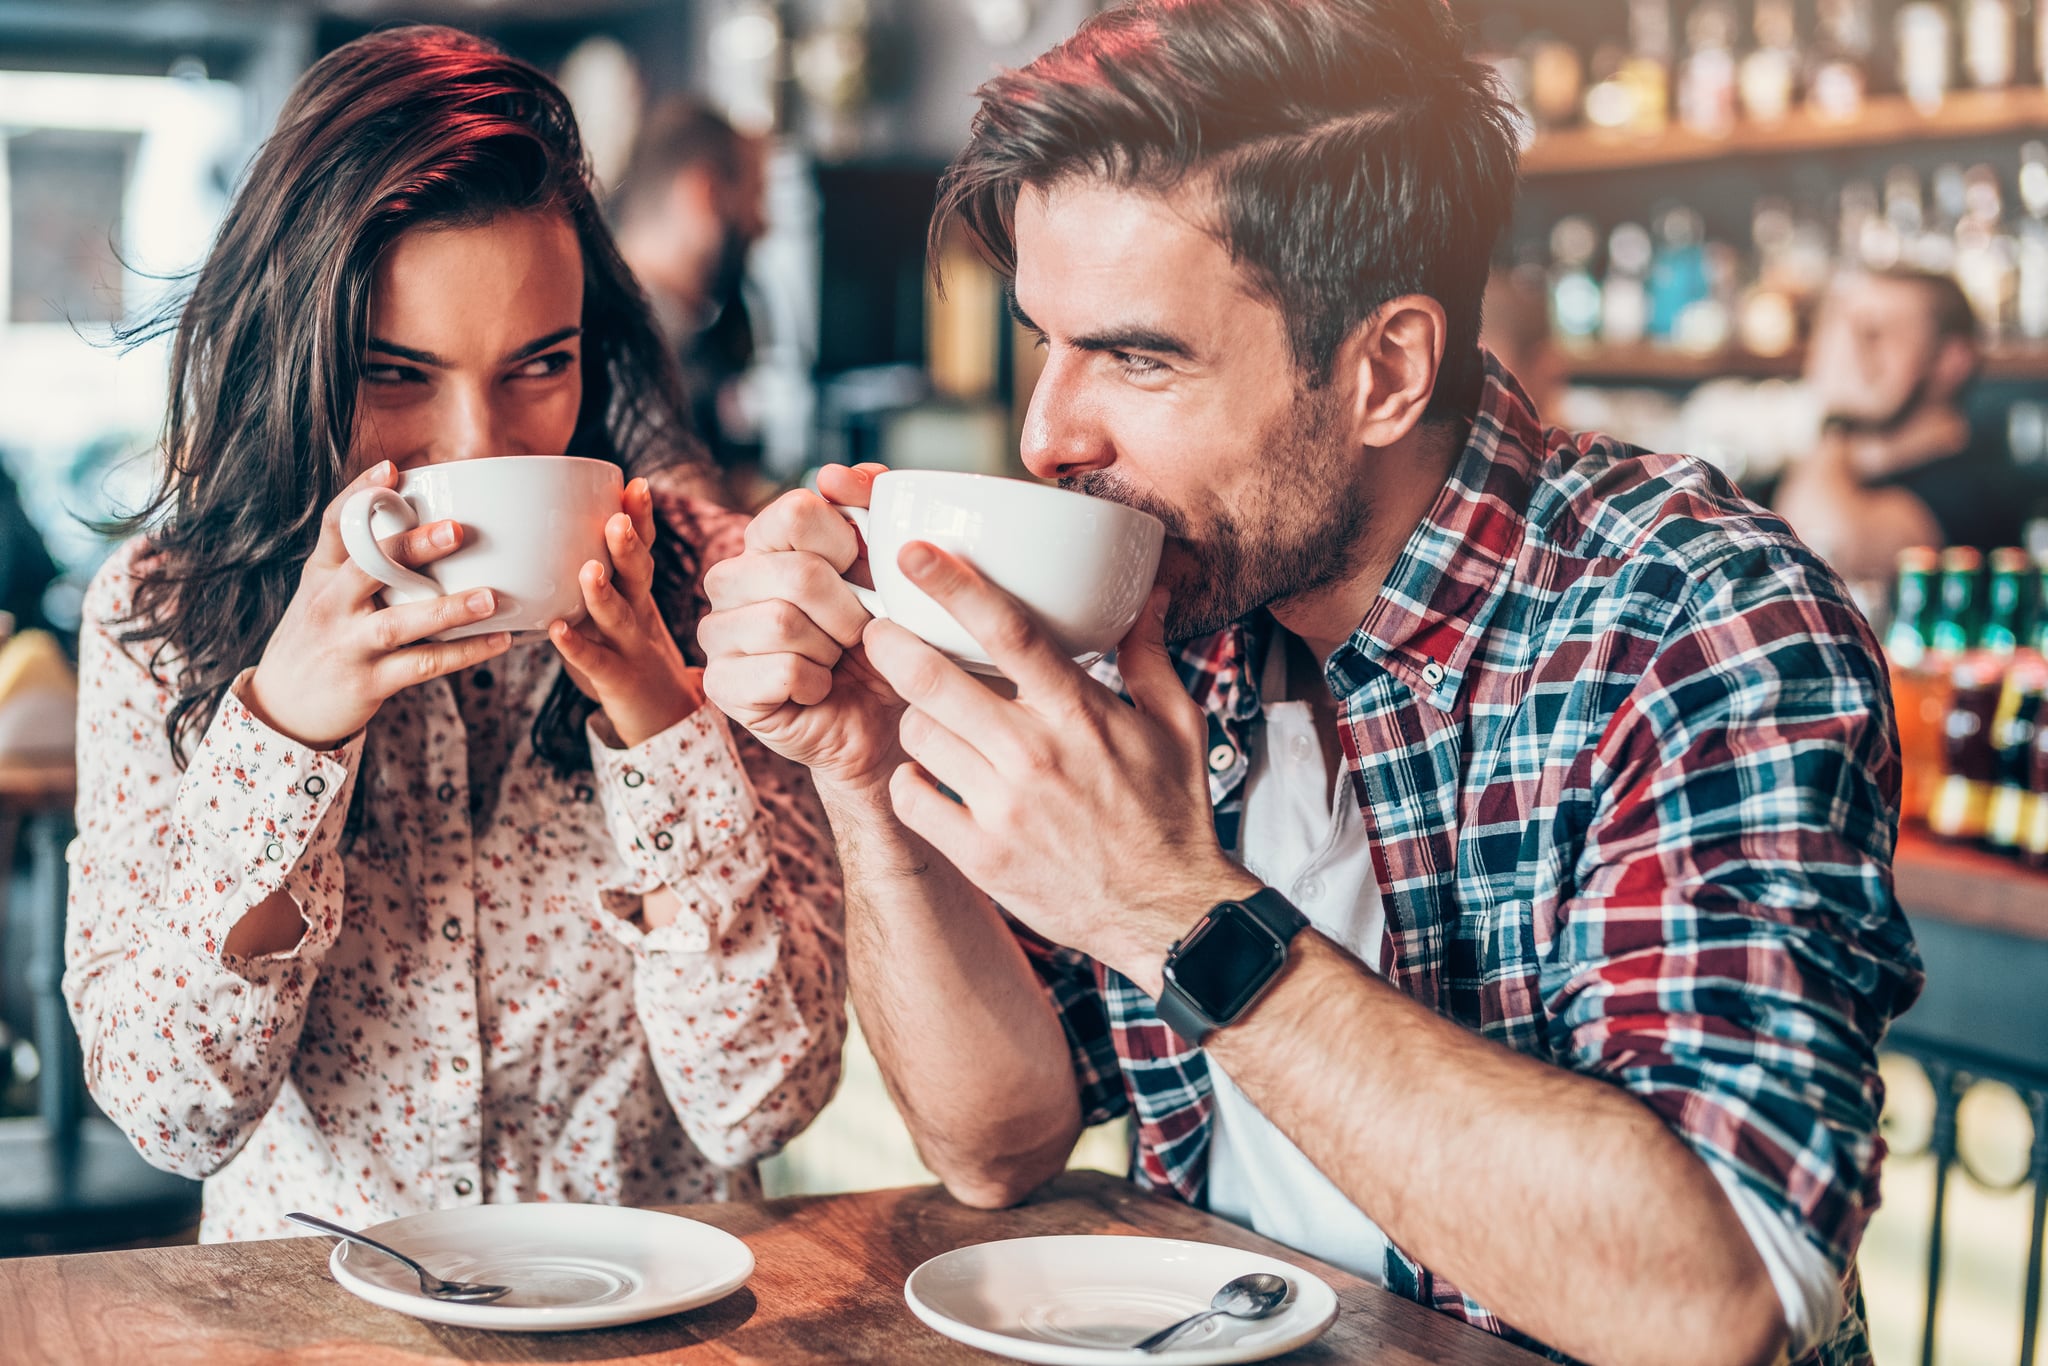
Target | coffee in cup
(1083,566)
(530,523)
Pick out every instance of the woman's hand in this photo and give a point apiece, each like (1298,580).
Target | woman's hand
(622,655)
(336,655)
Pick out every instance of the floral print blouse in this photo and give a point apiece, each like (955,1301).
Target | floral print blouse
(473,1013)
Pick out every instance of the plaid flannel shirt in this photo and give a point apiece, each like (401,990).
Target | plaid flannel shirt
(1625,756)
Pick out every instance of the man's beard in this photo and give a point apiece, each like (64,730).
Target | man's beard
(1302,530)
(1915,398)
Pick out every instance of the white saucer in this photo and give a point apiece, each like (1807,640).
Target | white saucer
(1080,1301)
(569,1266)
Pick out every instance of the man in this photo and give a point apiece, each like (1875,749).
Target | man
(1893,357)
(687,210)
(1579,767)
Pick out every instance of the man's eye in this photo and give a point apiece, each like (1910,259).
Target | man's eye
(1137,365)
(540,367)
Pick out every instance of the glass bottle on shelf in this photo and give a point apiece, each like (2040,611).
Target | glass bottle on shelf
(1767,319)
(1928,231)
(2008,637)
(2030,304)
(1678,271)
(1646,74)
(1986,255)
(1624,295)
(1918,689)
(1557,80)
(1926,54)
(1770,72)
(1574,293)
(1962,799)
(1989,43)
(1845,34)
(1706,80)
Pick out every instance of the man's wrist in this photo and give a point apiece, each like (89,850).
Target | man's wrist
(1139,942)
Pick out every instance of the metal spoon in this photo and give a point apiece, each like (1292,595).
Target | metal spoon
(432,1286)
(1248,1297)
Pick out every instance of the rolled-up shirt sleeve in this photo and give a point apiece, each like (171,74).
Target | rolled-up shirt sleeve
(742,994)
(186,1045)
(1734,951)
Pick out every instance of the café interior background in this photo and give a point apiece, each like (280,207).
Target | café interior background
(1696,170)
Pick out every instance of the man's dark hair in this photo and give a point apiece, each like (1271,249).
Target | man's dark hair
(1954,317)
(679,132)
(1356,153)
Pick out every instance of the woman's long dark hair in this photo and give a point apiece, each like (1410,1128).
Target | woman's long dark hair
(406,127)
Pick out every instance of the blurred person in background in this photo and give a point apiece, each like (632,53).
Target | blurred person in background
(688,209)
(1515,325)
(365,922)
(1893,358)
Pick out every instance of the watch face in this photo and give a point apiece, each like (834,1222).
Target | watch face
(1226,960)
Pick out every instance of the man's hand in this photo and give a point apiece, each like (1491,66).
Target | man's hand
(1087,819)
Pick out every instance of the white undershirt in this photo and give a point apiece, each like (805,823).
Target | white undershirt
(1306,840)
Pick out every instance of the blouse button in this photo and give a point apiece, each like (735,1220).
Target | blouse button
(634,777)
(584,793)
(451,928)
(663,839)
(315,785)
(463,1185)
(274,852)
(1301,748)
(482,678)
(446,792)
(460,1064)
(1432,673)
(1221,758)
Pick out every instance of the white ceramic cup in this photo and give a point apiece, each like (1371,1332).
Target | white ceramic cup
(1084,566)
(529,525)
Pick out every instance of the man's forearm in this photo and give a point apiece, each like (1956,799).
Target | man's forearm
(966,1037)
(1558,1201)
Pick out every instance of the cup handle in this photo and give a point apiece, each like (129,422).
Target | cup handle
(867,597)
(362,542)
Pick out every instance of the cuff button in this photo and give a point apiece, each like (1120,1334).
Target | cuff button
(315,785)
(274,852)
(634,777)
(663,840)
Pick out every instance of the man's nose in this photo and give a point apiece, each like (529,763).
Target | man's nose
(1063,433)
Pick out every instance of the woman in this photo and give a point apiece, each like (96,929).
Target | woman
(367,924)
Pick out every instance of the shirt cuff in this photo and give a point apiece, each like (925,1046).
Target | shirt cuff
(1800,1271)
(252,815)
(683,816)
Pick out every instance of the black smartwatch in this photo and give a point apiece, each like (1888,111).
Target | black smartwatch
(1217,969)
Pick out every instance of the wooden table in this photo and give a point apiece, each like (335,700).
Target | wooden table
(827,1286)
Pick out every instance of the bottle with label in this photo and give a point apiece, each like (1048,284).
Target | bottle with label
(1926,54)
(2012,632)
(1919,693)
(1646,74)
(1770,73)
(1969,763)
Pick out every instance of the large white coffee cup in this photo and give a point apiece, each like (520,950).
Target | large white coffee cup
(1084,566)
(529,525)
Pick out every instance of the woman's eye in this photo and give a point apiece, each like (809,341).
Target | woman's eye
(540,367)
(375,373)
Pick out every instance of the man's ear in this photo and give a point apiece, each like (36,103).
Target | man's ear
(1955,364)
(1392,360)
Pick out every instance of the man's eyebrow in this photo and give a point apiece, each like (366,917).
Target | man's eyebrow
(1127,338)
